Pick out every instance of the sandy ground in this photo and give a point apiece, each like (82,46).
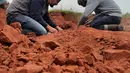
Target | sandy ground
(82,50)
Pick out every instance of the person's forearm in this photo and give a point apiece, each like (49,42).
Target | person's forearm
(40,20)
(35,12)
(82,20)
(90,7)
(49,21)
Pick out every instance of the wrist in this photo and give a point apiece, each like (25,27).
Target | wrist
(48,26)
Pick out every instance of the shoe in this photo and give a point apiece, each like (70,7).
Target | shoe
(114,27)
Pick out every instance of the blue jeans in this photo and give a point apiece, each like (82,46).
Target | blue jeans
(28,24)
(104,19)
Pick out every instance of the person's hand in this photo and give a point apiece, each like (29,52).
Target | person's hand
(51,29)
(59,28)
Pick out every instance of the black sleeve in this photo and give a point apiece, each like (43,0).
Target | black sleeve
(36,10)
(48,20)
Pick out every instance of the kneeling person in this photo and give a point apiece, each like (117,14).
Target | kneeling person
(32,15)
(108,14)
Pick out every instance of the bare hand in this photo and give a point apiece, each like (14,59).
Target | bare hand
(58,28)
(51,29)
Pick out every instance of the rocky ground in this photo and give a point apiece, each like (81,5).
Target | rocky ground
(82,50)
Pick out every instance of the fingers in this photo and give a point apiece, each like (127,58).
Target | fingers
(59,28)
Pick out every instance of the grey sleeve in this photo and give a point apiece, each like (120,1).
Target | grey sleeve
(90,7)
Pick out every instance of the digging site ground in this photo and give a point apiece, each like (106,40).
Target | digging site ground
(82,50)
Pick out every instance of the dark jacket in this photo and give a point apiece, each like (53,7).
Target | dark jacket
(36,9)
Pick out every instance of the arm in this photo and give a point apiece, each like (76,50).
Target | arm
(90,7)
(35,11)
(36,8)
(48,20)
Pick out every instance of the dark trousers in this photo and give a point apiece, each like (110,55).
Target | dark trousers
(104,19)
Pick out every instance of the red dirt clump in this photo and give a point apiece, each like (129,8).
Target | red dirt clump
(82,50)
(59,19)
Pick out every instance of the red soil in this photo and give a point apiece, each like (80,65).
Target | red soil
(82,50)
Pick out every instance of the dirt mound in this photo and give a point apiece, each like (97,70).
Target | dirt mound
(126,22)
(61,21)
(82,50)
